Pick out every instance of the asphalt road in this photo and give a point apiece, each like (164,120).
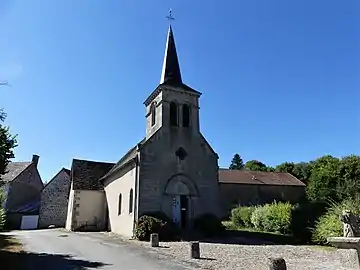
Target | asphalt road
(58,250)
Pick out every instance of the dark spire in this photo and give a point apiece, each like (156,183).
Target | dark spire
(171,69)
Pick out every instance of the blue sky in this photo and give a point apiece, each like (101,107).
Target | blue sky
(280,79)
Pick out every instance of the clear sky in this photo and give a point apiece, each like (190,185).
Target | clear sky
(280,79)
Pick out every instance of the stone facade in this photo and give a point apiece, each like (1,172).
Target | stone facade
(161,166)
(54,200)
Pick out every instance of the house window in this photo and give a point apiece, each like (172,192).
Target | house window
(186,115)
(119,207)
(153,114)
(131,196)
(173,114)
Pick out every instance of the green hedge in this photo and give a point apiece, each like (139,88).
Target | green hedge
(274,217)
(241,216)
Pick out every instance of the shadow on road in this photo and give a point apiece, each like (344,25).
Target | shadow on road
(12,257)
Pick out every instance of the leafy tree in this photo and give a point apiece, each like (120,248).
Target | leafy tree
(349,180)
(255,165)
(323,180)
(302,171)
(285,167)
(7,145)
(236,163)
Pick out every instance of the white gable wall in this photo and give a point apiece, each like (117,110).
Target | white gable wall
(121,183)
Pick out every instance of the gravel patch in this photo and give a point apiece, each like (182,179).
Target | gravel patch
(250,257)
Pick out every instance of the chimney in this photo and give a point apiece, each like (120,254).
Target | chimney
(35,160)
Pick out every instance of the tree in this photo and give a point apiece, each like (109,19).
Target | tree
(7,145)
(349,177)
(302,171)
(255,165)
(324,179)
(285,167)
(236,163)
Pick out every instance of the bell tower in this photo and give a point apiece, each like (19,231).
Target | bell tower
(172,105)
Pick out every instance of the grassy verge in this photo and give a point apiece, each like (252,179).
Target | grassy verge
(10,249)
(275,238)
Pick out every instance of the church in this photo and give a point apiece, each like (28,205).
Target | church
(173,170)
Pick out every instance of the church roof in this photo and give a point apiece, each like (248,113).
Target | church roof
(171,69)
(86,174)
(171,75)
(258,178)
(130,155)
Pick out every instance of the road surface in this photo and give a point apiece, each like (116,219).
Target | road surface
(59,250)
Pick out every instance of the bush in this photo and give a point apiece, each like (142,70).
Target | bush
(155,223)
(208,225)
(329,224)
(258,215)
(303,218)
(241,216)
(275,217)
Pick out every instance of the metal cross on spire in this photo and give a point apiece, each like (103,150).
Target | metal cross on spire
(170,16)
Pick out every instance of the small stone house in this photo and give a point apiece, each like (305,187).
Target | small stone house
(87,209)
(22,187)
(54,200)
(241,187)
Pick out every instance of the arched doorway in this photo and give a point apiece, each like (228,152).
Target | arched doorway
(182,191)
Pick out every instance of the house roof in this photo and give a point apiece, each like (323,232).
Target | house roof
(86,174)
(67,171)
(258,178)
(131,154)
(13,170)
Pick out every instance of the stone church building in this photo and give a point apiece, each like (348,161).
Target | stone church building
(172,170)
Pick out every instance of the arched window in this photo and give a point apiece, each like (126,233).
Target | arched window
(131,198)
(153,113)
(119,207)
(185,115)
(173,114)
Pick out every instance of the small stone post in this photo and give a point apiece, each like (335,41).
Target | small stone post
(277,264)
(195,250)
(154,240)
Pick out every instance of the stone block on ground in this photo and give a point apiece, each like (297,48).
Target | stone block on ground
(154,240)
(195,250)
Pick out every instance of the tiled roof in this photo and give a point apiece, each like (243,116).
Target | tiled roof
(86,174)
(13,170)
(258,178)
(127,157)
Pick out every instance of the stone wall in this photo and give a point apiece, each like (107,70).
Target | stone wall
(54,201)
(245,194)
